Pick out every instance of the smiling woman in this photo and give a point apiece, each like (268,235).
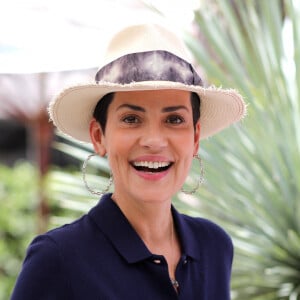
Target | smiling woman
(143,113)
(151,127)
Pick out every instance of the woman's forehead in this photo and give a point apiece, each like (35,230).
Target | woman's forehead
(167,95)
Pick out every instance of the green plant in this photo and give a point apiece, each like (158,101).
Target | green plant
(65,188)
(253,170)
(18,200)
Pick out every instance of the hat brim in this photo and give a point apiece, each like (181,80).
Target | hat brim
(72,110)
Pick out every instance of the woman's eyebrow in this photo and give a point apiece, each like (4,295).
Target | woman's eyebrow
(174,108)
(164,109)
(131,106)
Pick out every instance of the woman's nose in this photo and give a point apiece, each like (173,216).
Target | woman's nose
(153,138)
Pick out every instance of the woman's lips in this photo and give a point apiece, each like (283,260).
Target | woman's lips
(151,169)
(151,166)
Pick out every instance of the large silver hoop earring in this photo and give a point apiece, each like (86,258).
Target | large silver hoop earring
(84,167)
(200,179)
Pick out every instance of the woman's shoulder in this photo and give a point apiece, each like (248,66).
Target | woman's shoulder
(68,230)
(207,231)
(204,224)
(65,236)
(49,260)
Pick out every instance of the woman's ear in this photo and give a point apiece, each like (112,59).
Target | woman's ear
(97,137)
(196,137)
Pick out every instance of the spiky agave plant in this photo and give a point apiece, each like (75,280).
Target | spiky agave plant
(253,171)
(65,187)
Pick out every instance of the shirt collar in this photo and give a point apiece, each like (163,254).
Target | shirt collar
(115,226)
(189,239)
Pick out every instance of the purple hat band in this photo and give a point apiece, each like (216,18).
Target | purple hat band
(158,65)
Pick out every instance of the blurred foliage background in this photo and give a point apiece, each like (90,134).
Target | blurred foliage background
(252,171)
(18,187)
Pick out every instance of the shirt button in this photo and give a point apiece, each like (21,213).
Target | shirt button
(157,261)
(185,262)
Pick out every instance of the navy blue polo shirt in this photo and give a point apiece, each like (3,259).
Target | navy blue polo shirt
(100,256)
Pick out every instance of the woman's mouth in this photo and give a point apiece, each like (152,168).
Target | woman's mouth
(151,166)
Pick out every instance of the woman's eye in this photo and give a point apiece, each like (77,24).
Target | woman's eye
(175,120)
(130,119)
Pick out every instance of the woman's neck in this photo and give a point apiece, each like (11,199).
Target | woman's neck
(151,220)
(154,223)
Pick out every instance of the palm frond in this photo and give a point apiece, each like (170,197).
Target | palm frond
(252,170)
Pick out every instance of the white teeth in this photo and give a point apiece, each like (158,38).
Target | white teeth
(151,164)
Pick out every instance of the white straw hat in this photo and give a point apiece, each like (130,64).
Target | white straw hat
(144,57)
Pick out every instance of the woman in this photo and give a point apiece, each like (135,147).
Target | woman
(134,244)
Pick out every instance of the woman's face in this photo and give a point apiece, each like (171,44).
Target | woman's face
(150,141)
